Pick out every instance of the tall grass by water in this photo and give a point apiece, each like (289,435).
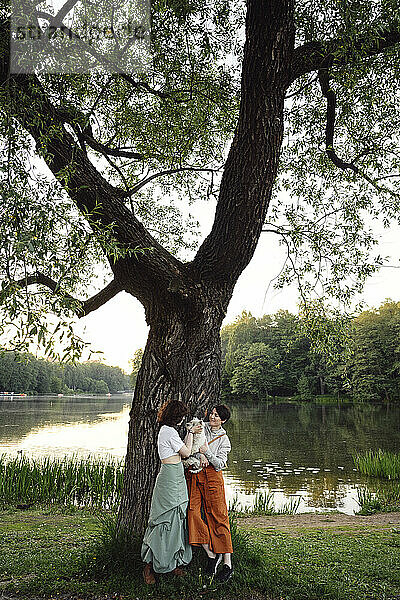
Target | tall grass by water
(69,480)
(378,463)
(381,499)
(264,504)
(91,481)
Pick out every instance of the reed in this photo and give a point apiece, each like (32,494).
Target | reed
(264,504)
(69,480)
(381,499)
(378,463)
(291,507)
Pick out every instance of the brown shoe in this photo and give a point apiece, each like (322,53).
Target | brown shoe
(178,572)
(148,574)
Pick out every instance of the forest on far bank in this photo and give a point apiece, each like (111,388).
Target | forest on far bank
(24,373)
(261,357)
(271,356)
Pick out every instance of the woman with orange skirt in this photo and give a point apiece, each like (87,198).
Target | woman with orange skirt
(206,489)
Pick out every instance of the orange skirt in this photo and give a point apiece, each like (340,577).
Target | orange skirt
(207,488)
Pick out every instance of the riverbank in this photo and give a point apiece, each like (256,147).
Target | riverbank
(67,554)
(335,522)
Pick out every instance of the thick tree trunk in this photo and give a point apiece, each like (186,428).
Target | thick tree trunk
(182,361)
(185,304)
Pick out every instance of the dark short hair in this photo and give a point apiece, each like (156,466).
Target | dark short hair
(223,411)
(172,412)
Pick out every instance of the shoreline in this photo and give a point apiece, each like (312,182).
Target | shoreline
(332,521)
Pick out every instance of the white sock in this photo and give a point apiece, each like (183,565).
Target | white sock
(227,560)
(209,552)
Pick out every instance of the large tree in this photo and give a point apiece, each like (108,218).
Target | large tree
(206,120)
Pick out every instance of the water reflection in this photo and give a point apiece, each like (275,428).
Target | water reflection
(60,426)
(295,450)
(107,436)
(306,450)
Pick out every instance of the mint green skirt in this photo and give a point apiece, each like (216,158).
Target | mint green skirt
(166,540)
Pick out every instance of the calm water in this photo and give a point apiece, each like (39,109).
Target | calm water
(293,450)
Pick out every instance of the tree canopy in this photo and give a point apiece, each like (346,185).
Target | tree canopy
(283,112)
(135,151)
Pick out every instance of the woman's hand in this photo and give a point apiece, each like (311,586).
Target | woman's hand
(197,429)
(203,448)
(203,461)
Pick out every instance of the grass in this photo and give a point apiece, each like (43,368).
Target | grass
(69,480)
(64,552)
(95,482)
(264,505)
(383,499)
(333,399)
(324,565)
(378,463)
(384,465)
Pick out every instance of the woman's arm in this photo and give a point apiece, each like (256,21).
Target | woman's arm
(218,460)
(187,446)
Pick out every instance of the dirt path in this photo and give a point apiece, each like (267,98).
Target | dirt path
(335,522)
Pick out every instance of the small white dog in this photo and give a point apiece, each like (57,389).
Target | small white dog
(198,440)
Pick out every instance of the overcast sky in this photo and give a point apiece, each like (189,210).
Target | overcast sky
(119,327)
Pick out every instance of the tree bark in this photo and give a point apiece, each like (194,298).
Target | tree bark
(252,162)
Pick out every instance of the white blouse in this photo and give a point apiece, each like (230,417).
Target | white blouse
(169,442)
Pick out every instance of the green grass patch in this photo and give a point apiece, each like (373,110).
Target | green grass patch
(264,505)
(70,480)
(333,399)
(381,499)
(50,553)
(325,565)
(378,463)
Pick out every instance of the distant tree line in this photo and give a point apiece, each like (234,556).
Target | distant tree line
(25,373)
(272,356)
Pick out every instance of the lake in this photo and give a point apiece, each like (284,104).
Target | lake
(295,450)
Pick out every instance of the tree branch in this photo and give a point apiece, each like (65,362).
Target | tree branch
(147,88)
(57,21)
(93,303)
(303,87)
(81,125)
(107,150)
(314,56)
(323,77)
(62,13)
(252,162)
(94,196)
(147,180)
(83,307)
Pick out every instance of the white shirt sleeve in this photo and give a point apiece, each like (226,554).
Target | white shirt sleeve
(176,442)
(169,442)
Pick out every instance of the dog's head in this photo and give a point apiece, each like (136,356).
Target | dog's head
(195,421)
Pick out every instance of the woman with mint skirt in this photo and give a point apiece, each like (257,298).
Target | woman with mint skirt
(166,547)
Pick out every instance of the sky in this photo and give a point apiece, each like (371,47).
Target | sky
(119,328)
